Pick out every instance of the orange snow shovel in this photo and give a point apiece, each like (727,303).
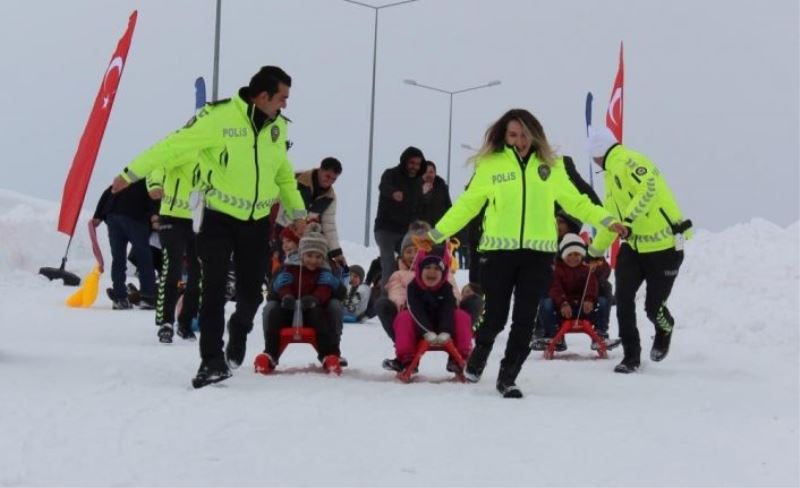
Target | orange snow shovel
(85,296)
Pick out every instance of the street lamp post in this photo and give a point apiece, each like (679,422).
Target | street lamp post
(451,93)
(372,107)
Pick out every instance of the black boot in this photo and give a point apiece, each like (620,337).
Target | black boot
(660,345)
(211,371)
(165,334)
(506,382)
(477,362)
(185,332)
(630,361)
(236,347)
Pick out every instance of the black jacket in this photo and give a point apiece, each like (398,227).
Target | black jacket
(396,216)
(435,203)
(133,202)
(433,309)
(582,187)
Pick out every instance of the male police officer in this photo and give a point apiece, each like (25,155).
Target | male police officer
(242,149)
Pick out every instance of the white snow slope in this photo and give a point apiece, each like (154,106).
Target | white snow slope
(89,397)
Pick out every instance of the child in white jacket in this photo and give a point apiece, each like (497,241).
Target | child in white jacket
(355,306)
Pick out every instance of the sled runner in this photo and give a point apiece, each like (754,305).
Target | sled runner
(424,346)
(581,326)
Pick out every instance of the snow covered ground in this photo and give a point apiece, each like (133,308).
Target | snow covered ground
(89,397)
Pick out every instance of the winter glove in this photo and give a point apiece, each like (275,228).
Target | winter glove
(588,307)
(308,302)
(443,337)
(566,310)
(288,302)
(430,337)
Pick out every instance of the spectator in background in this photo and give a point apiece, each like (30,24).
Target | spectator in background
(435,198)
(398,204)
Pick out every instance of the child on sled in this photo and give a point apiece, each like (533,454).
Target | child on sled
(304,281)
(574,292)
(431,312)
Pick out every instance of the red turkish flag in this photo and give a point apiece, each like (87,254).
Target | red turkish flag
(83,163)
(614,123)
(615,103)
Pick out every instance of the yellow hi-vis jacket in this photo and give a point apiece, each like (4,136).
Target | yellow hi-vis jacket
(638,195)
(521,204)
(243,172)
(176,184)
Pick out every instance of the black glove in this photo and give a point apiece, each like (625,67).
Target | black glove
(288,302)
(309,301)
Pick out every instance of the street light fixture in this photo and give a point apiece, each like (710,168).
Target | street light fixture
(372,107)
(451,93)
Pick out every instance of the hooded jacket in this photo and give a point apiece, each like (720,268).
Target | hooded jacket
(395,216)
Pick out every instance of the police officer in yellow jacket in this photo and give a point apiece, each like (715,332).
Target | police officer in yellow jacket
(638,194)
(177,241)
(244,168)
(520,179)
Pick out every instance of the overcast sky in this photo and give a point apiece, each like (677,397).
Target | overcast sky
(711,87)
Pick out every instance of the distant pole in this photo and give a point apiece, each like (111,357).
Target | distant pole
(372,108)
(367,217)
(450,127)
(215,78)
(449,139)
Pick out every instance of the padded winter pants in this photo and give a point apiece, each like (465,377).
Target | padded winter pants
(658,270)
(277,318)
(407,334)
(248,242)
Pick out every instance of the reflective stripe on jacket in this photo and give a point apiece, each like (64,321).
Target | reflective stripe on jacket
(520,212)
(242,170)
(638,195)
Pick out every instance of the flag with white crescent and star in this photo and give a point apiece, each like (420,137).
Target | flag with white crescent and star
(83,163)
(614,123)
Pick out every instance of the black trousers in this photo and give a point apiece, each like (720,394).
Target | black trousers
(318,318)
(526,275)
(658,270)
(248,241)
(177,240)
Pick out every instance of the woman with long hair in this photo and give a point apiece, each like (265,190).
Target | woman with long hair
(520,179)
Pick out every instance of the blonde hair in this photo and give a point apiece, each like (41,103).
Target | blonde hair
(495,138)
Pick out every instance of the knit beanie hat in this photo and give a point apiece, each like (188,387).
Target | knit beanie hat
(417,228)
(571,243)
(437,256)
(600,140)
(358,271)
(313,240)
(288,234)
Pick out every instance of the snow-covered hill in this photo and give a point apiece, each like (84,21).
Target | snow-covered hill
(89,397)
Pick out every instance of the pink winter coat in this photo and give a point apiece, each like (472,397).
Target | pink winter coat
(398,283)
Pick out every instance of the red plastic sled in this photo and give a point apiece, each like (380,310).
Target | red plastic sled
(581,326)
(424,346)
(298,335)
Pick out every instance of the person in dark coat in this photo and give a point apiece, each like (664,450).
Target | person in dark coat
(127,215)
(398,204)
(435,200)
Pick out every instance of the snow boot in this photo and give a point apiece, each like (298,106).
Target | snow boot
(392,364)
(660,345)
(185,332)
(331,364)
(211,371)
(452,366)
(121,304)
(506,383)
(236,347)
(134,296)
(146,303)
(630,362)
(264,363)
(165,334)
(477,362)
